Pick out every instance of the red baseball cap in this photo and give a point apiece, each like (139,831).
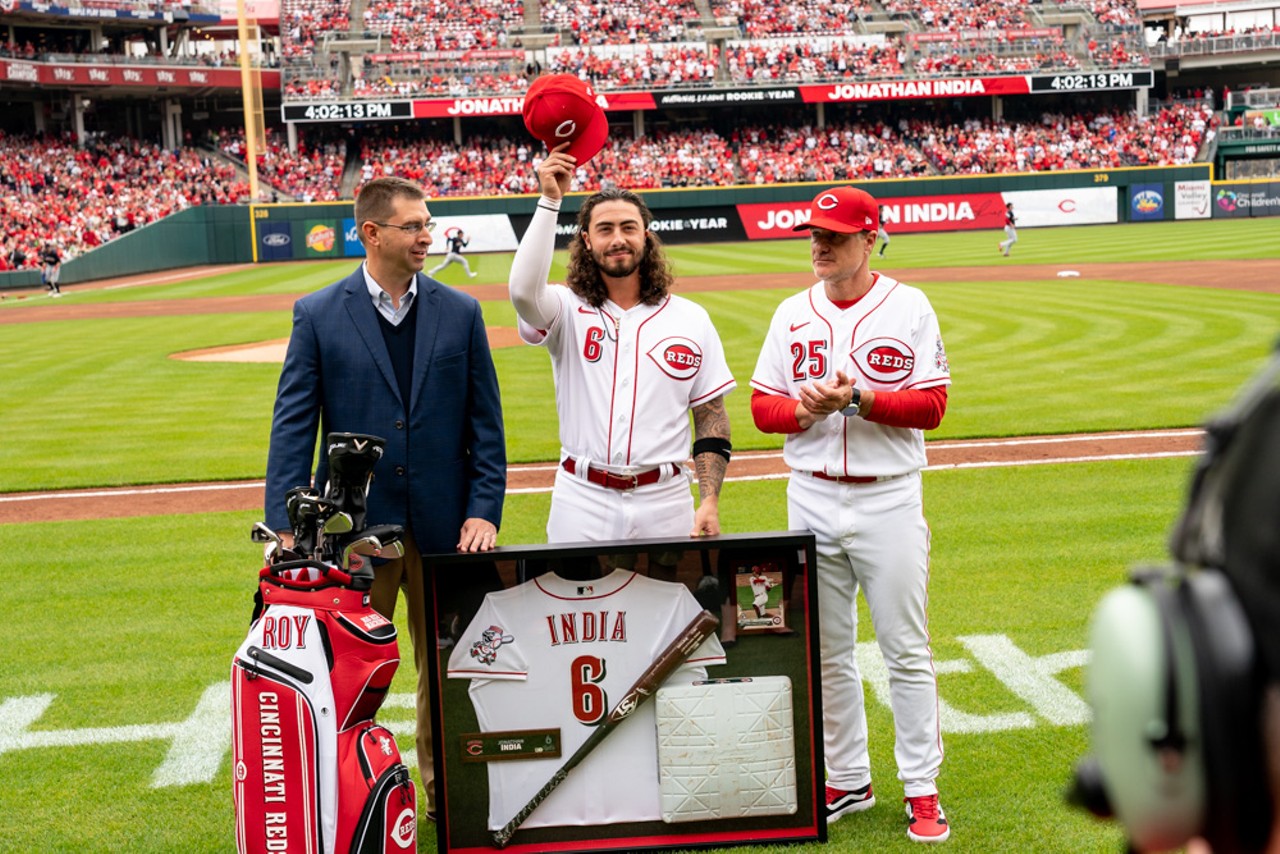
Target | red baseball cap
(562,108)
(844,210)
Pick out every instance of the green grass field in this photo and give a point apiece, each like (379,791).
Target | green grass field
(110,711)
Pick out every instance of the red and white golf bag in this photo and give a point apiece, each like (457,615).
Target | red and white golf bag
(312,772)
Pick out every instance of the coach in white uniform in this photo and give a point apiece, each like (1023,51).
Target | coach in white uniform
(853,371)
(630,362)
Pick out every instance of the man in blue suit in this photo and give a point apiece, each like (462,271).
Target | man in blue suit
(390,352)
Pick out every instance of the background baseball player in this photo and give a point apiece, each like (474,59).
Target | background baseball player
(630,362)
(881,232)
(853,370)
(1010,229)
(525,673)
(51,268)
(457,240)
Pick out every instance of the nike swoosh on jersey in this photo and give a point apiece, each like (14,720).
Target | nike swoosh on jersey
(799,326)
(582,310)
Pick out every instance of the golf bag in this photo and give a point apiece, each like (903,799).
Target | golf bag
(312,772)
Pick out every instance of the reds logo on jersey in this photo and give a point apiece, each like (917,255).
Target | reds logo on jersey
(886,360)
(678,358)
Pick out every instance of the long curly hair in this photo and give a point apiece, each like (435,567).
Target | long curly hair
(584,277)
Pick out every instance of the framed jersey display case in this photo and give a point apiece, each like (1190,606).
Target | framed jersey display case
(600,696)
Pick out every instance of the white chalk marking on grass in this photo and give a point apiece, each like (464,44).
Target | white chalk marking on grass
(1104,458)
(1059,440)
(199,742)
(16,715)
(874,672)
(154,280)
(537,490)
(1032,679)
(153,490)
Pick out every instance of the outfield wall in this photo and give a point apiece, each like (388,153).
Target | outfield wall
(245,234)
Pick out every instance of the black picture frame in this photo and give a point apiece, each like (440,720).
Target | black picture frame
(458,584)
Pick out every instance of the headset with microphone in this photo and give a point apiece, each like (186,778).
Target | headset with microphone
(1181,654)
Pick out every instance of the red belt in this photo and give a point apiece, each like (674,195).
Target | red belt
(623,482)
(842,478)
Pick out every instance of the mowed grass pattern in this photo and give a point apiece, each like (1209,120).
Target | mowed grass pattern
(127,622)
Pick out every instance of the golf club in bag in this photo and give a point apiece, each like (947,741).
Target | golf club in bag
(312,771)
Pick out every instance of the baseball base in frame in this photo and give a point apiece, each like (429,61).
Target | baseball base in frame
(540,645)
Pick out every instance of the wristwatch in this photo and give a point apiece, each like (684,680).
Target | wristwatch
(852,409)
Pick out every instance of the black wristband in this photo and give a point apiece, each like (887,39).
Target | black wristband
(713,445)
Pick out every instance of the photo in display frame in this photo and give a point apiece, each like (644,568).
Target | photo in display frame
(538,645)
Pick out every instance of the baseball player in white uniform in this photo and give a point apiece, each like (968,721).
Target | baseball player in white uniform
(552,653)
(760,587)
(1010,230)
(853,371)
(630,362)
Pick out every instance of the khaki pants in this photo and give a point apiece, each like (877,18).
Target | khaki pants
(407,574)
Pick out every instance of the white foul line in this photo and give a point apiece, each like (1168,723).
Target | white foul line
(151,490)
(536,490)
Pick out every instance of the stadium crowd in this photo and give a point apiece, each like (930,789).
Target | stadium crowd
(313,173)
(496,165)
(595,22)
(52,190)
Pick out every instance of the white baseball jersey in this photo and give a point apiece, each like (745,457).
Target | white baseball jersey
(760,587)
(626,380)
(889,341)
(556,653)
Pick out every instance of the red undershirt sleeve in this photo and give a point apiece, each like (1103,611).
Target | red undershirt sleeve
(774,413)
(919,408)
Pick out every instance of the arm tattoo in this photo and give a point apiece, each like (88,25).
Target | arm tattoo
(710,421)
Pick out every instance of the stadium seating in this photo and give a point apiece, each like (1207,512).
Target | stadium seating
(311,174)
(79,198)
(626,22)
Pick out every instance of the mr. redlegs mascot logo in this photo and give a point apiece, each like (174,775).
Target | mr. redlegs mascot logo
(678,358)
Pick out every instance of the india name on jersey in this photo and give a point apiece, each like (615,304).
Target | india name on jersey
(626,380)
(888,341)
(553,653)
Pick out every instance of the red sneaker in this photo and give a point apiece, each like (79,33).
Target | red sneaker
(840,802)
(925,820)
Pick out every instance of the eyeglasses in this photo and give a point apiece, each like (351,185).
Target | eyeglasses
(412,229)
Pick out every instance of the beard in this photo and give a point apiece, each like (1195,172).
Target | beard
(618,266)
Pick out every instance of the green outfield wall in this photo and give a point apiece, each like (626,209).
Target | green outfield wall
(245,234)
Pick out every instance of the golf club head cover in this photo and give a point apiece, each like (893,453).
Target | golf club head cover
(352,457)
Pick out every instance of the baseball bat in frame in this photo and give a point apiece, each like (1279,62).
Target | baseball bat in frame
(645,686)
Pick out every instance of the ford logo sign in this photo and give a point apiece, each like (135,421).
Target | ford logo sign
(275,238)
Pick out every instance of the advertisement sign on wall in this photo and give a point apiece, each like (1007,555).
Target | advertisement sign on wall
(319,239)
(485,233)
(772,220)
(274,241)
(1078,206)
(1191,200)
(1246,199)
(351,245)
(1146,202)
(686,225)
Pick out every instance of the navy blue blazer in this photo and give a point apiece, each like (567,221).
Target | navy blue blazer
(445,458)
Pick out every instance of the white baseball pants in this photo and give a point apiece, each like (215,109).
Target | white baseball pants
(581,510)
(873,536)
